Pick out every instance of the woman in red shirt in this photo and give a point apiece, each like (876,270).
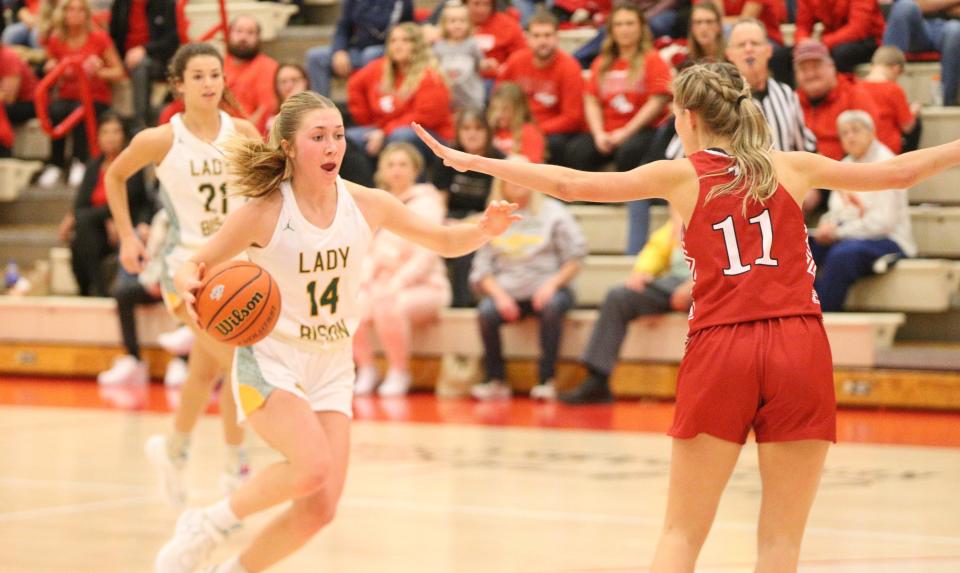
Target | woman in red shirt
(514,132)
(626,96)
(852,29)
(390,92)
(73,34)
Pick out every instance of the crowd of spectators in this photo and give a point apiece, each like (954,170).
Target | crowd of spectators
(491,78)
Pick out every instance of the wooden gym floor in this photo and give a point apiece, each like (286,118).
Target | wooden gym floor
(455,486)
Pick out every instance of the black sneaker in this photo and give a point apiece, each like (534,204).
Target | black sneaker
(593,390)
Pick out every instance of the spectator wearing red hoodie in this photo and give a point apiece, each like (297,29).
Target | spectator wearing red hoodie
(852,28)
(392,91)
(17,84)
(771,12)
(497,34)
(553,83)
(249,72)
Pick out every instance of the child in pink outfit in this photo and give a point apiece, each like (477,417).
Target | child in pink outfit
(404,284)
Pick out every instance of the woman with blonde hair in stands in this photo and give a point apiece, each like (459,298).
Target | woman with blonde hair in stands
(514,132)
(390,92)
(624,102)
(73,34)
(404,284)
(196,194)
(295,387)
(705,38)
(755,315)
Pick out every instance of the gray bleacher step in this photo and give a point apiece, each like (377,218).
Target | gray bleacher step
(37,206)
(940,125)
(27,244)
(941,188)
(920,357)
(292,42)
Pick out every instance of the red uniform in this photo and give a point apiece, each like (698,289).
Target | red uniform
(757,354)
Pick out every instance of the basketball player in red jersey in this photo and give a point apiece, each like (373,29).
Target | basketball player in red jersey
(757,356)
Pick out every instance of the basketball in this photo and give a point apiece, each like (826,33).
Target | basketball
(238,303)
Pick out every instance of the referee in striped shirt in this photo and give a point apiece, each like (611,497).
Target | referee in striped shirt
(749,50)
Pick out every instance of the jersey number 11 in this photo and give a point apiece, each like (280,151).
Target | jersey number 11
(733,247)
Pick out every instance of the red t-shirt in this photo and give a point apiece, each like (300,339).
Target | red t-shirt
(97,43)
(12,65)
(621,97)
(428,105)
(894,111)
(822,118)
(773,14)
(138,30)
(498,37)
(741,274)
(99,196)
(844,21)
(252,85)
(532,143)
(554,92)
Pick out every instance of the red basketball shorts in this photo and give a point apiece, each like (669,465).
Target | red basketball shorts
(775,376)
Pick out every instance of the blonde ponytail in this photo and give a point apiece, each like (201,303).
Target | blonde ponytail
(721,98)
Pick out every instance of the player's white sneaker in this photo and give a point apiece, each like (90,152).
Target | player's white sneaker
(178,342)
(176,373)
(367,378)
(193,541)
(545,391)
(169,471)
(126,369)
(395,384)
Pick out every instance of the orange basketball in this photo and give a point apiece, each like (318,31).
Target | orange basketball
(238,303)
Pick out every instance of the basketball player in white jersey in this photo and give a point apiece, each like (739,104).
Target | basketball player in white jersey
(310,229)
(195,194)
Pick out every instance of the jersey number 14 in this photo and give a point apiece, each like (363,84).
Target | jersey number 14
(736,266)
(329,297)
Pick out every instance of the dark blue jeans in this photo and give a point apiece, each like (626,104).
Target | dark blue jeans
(842,263)
(911,31)
(551,328)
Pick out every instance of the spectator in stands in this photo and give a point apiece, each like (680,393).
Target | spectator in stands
(23,31)
(73,34)
(929,25)
(705,37)
(399,88)
(771,13)
(526,271)
(145,34)
(466,193)
(497,34)
(660,282)
(359,39)
(898,118)
(290,79)
(852,28)
(459,57)
(245,68)
(824,95)
(89,228)
(851,238)
(129,292)
(625,101)
(553,83)
(17,85)
(660,15)
(403,284)
(514,132)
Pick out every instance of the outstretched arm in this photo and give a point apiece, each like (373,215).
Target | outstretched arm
(900,172)
(384,210)
(657,179)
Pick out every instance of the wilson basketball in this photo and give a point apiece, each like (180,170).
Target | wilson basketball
(238,303)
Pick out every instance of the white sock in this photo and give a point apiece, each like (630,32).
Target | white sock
(221,515)
(178,446)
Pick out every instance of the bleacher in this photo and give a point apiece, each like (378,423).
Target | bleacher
(69,335)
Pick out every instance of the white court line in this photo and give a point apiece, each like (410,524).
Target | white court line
(106,487)
(519,513)
(42,512)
